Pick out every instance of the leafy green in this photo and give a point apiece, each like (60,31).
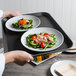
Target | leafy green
(15,25)
(50,45)
(25,26)
(30,21)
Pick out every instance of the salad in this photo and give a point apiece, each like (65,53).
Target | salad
(23,24)
(43,57)
(41,40)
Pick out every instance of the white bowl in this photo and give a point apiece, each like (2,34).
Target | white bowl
(59,38)
(36,22)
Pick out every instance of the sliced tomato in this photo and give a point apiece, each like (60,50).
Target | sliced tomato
(47,34)
(33,37)
(42,44)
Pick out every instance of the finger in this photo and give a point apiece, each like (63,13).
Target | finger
(15,13)
(31,58)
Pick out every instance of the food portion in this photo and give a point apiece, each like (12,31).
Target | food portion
(66,70)
(23,24)
(43,57)
(41,40)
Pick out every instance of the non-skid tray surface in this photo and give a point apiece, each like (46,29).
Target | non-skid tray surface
(12,39)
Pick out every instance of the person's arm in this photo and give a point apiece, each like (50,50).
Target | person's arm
(2,63)
(16,56)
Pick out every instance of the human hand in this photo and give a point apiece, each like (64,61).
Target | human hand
(22,57)
(18,57)
(11,13)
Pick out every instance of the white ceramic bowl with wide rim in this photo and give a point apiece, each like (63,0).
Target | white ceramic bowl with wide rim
(58,35)
(36,22)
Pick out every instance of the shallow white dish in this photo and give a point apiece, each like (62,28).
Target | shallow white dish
(72,49)
(36,22)
(58,35)
(37,63)
(60,63)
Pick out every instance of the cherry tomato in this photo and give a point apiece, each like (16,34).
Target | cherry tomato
(47,34)
(42,44)
(33,37)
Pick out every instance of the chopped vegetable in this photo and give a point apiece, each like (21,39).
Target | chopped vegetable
(43,57)
(33,37)
(23,24)
(41,40)
(51,54)
(47,34)
(42,44)
(39,58)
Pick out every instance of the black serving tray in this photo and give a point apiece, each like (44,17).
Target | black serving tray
(12,40)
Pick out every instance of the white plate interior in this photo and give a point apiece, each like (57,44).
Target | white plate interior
(59,37)
(36,22)
(60,63)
